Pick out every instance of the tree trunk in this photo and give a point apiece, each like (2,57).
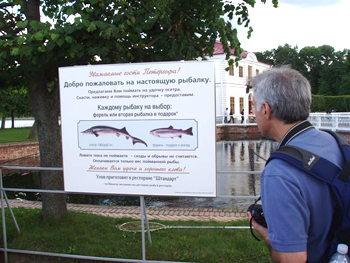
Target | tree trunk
(33,131)
(3,121)
(12,119)
(45,106)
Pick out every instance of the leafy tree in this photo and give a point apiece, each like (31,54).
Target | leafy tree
(287,55)
(14,102)
(325,69)
(344,87)
(332,73)
(315,59)
(267,56)
(283,55)
(102,31)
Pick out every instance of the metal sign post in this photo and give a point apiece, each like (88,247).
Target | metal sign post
(146,220)
(143,221)
(4,235)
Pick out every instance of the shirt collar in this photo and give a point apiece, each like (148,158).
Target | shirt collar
(295,131)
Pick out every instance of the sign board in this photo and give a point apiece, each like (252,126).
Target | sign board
(139,129)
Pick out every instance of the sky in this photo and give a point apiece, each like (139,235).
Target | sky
(298,23)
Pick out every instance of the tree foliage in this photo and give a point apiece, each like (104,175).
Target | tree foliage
(327,70)
(102,31)
(330,103)
(14,102)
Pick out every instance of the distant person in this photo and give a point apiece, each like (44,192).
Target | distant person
(231,116)
(297,206)
(242,116)
(226,115)
(251,116)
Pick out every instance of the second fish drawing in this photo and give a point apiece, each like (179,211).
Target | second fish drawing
(170,132)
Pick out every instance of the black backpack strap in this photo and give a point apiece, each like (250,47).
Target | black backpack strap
(345,149)
(340,139)
(308,162)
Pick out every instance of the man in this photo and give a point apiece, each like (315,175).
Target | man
(298,207)
(231,117)
(226,115)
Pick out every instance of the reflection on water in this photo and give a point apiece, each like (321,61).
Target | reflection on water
(241,156)
(231,156)
(236,156)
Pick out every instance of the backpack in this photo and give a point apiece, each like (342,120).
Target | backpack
(338,179)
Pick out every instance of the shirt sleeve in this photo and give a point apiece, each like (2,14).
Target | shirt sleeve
(286,212)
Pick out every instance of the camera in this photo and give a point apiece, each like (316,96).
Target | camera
(257,214)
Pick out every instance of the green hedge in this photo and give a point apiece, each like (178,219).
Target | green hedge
(324,103)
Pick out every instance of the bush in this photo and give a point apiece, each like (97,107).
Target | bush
(324,103)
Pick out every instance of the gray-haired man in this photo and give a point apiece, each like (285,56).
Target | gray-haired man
(298,207)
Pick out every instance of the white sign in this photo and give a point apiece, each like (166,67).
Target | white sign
(140,129)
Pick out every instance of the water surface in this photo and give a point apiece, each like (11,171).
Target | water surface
(231,156)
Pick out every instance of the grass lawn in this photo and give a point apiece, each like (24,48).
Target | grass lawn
(93,235)
(14,135)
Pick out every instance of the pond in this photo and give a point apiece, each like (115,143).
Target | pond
(247,155)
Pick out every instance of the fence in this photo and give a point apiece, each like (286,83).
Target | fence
(143,215)
(236,119)
(333,121)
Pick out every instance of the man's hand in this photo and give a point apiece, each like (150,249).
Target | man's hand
(260,229)
(281,257)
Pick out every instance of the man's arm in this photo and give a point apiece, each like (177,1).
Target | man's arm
(279,257)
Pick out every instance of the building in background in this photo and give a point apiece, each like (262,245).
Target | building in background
(231,86)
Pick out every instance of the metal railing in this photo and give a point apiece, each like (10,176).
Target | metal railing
(248,119)
(143,216)
(332,121)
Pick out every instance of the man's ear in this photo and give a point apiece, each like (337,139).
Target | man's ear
(266,110)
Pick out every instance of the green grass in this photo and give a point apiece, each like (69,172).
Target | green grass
(93,235)
(15,135)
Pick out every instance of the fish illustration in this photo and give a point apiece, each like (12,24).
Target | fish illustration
(170,132)
(100,130)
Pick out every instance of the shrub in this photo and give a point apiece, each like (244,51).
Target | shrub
(324,103)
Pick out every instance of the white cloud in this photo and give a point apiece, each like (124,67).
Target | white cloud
(310,3)
(319,24)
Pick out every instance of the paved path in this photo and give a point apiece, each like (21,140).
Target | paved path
(197,214)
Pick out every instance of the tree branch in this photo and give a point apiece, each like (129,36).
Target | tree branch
(5,5)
